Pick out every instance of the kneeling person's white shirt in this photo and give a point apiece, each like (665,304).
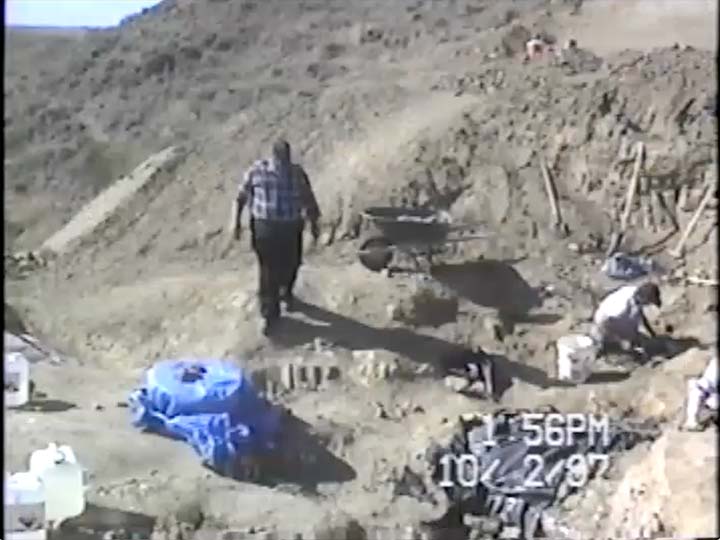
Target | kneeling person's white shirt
(708,383)
(619,305)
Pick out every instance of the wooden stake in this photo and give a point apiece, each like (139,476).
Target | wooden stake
(629,199)
(551,191)
(667,200)
(709,193)
(632,188)
(702,281)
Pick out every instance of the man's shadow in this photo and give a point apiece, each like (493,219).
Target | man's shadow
(442,355)
(304,460)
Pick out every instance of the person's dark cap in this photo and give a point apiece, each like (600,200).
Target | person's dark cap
(649,293)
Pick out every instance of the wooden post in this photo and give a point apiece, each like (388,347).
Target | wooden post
(629,199)
(670,208)
(552,195)
(709,193)
(632,188)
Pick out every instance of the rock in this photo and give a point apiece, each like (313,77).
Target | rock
(669,493)
(691,363)
(456,384)
(235,535)
(514,40)
(380,411)
(663,399)
(336,526)
(428,304)
(494,327)
(191,513)
(372,366)
(331,373)
(485,526)
(168,527)
(666,389)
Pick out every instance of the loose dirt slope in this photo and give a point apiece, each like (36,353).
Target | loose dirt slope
(435,108)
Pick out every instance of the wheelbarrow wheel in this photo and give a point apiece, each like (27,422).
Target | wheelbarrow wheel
(376,253)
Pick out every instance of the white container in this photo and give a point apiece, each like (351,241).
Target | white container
(26,535)
(24,505)
(17,379)
(576,354)
(63,479)
(693,402)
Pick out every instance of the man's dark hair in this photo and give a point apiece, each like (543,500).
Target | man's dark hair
(281,151)
(649,293)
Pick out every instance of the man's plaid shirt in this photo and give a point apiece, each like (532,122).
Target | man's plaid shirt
(276,196)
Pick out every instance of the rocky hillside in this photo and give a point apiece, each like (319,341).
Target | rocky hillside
(211,76)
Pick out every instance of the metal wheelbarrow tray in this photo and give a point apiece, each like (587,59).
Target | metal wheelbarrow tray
(413,231)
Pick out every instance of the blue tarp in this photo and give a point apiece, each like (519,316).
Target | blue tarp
(209,404)
(627,267)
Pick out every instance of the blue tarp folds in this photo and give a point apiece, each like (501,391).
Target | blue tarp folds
(627,267)
(209,404)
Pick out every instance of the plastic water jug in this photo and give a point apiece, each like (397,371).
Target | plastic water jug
(63,479)
(24,516)
(17,379)
(576,354)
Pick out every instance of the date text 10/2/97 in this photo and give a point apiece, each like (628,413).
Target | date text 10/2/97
(465,471)
(556,429)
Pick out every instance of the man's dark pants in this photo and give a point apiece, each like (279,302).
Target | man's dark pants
(278,246)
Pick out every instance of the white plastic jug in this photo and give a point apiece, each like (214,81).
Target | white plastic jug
(576,354)
(63,479)
(17,379)
(24,516)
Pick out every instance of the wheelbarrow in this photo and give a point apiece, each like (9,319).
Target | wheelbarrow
(415,232)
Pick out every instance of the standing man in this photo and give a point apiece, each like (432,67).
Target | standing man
(281,199)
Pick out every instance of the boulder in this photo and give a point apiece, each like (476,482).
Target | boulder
(664,398)
(670,492)
(691,363)
(666,389)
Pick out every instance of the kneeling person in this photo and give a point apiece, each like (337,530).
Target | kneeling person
(620,316)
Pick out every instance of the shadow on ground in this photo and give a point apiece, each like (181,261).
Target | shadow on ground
(668,347)
(439,353)
(13,322)
(47,406)
(304,460)
(606,377)
(655,351)
(490,283)
(97,521)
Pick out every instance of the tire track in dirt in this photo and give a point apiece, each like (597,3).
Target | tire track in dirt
(109,201)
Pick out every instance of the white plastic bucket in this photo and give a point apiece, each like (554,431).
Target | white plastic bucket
(17,379)
(576,354)
(24,504)
(63,479)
